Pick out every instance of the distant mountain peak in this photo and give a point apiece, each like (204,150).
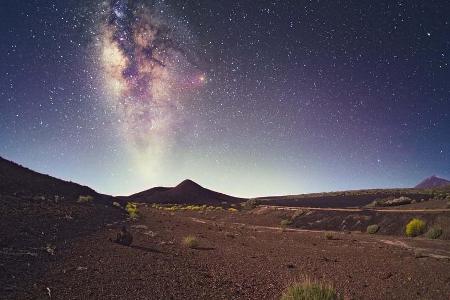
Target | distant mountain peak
(188,182)
(432,182)
(186,192)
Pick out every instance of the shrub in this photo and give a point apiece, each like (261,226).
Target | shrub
(297,213)
(179,207)
(132,210)
(190,241)
(232,209)
(310,290)
(250,204)
(285,223)
(372,229)
(415,227)
(329,235)
(85,198)
(434,233)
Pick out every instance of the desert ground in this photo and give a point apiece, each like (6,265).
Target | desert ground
(55,243)
(241,255)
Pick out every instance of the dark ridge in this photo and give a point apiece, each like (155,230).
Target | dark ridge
(16,180)
(38,210)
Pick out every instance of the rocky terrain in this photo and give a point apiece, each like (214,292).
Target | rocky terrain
(240,255)
(55,243)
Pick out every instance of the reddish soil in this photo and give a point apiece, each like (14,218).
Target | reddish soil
(32,228)
(53,247)
(235,260)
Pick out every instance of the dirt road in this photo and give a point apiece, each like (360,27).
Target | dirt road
(358,209)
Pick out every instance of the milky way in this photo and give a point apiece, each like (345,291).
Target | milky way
(246,97)
(144,55)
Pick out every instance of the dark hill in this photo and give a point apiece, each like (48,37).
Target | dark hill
(187,192)
(36,211)
(356,198)
(433,182)
(18,181)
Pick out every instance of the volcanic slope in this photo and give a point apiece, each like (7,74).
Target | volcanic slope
(187,192)
(433,182)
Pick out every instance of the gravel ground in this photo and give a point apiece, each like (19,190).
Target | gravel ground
(235,260)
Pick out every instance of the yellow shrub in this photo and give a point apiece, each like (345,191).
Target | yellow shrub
(415,227)
(85,199)
(231,209)
(132,210)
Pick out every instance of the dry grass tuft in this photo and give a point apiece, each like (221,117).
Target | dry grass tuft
(85,199)
(310,290)
(190,241)
(434,233)
(329,235)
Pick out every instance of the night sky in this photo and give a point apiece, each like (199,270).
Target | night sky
(249,98)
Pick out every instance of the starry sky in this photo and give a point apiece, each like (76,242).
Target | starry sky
(249,98)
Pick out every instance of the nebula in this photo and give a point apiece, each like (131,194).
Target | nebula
(146,67)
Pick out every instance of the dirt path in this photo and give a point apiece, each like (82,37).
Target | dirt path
(418,251)
(204,221)
(357,209)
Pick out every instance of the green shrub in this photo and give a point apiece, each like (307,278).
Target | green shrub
(190,241)
(309,290)
(434,233)
(250,204)
(372,229)
(298,213)
(415,227)
(85,198)
(285,223)
(132,210)
(379,202)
